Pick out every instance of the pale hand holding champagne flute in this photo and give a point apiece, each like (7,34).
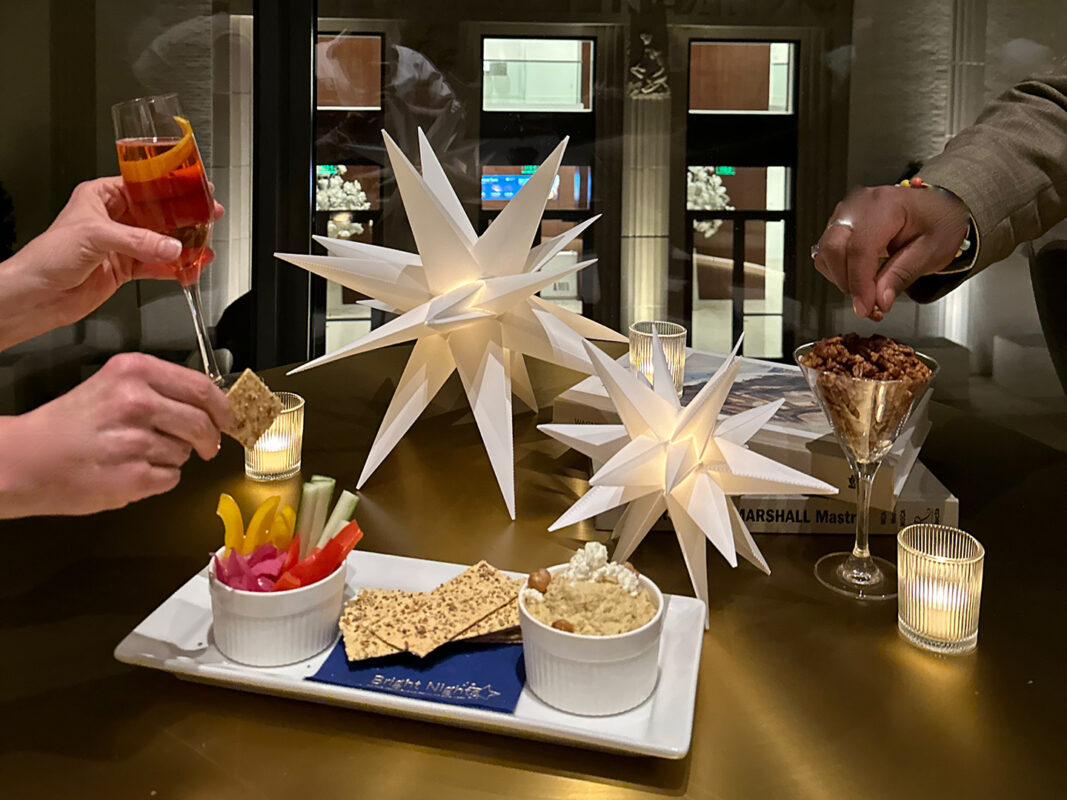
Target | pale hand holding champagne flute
(169,193)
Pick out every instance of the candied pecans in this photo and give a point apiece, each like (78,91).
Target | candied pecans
(873,357)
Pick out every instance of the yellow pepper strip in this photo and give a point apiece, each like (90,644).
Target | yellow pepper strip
(280,532)
(290,517)
(259,528)
(234,524)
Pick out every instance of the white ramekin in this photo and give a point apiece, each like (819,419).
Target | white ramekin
(592,675)
(269,629)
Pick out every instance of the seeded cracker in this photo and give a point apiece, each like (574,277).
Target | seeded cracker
(501,625)
(506,636)
(253,407)
(422,625)
(368,607)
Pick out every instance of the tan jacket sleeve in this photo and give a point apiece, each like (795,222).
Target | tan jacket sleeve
(1010,168)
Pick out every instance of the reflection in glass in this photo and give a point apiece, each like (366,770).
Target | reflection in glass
(554,227)
(713,286)
(342,302)
(338,188)
(571,190)
(344,225)
(764,248)
(537,74)
(763,336)
(712,313)
(565,292)
(350,91)
(741,77)
(742,188)
(348,73)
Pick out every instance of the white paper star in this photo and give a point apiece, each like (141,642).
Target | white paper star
(685,461)
(469,301)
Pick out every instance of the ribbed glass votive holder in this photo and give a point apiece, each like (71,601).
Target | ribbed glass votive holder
(939,587)
(276,454)
(672,339)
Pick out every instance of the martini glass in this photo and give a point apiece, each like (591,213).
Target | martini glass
(866,416)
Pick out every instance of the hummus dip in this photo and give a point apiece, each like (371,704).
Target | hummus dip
(595,599)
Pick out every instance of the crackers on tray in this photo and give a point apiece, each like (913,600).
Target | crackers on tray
(477,606)
(253,407)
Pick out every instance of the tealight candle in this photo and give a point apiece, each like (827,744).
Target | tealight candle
(671,337)
(276,454)
(939,587)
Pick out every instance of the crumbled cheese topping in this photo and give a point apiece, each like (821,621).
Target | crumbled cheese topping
(531,595)
(591,564)
(584,564)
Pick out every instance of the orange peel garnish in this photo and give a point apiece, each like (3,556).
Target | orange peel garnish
(149,169)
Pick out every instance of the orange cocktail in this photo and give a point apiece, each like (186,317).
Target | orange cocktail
(169,193)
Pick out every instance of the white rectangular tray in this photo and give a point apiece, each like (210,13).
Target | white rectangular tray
(176,637)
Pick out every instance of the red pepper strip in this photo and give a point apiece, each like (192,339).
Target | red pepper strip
(302,573)
(292,556)
(286,582)
(321,562)
(335,550)
(348,537)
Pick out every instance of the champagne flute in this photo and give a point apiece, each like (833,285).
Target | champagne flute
(866,416)
(169,193)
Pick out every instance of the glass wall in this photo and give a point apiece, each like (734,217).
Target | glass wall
(741,215)
(348,185)
(526,83)
(713,145)
(741,77)
(493,106)
(62,66)
(496,93)
(537,74)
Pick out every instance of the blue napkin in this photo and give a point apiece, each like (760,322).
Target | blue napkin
(485,676)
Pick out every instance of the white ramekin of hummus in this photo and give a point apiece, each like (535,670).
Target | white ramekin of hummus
(592,675)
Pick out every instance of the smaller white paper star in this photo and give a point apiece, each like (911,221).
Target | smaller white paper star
(685,461)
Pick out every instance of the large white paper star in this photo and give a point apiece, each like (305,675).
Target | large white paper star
(685,461)
(469,301)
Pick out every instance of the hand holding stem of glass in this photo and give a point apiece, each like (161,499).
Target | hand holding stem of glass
(168,193)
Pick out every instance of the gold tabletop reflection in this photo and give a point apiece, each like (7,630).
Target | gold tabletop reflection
(802,694)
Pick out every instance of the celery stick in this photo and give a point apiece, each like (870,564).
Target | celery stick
(341,516)
(314,502)
(322,508)
(317,501)
(305,513)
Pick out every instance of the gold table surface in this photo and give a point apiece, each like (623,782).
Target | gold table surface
(802,694)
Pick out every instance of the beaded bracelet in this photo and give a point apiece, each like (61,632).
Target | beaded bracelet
(918,183)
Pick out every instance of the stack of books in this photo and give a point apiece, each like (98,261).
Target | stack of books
(799,436)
